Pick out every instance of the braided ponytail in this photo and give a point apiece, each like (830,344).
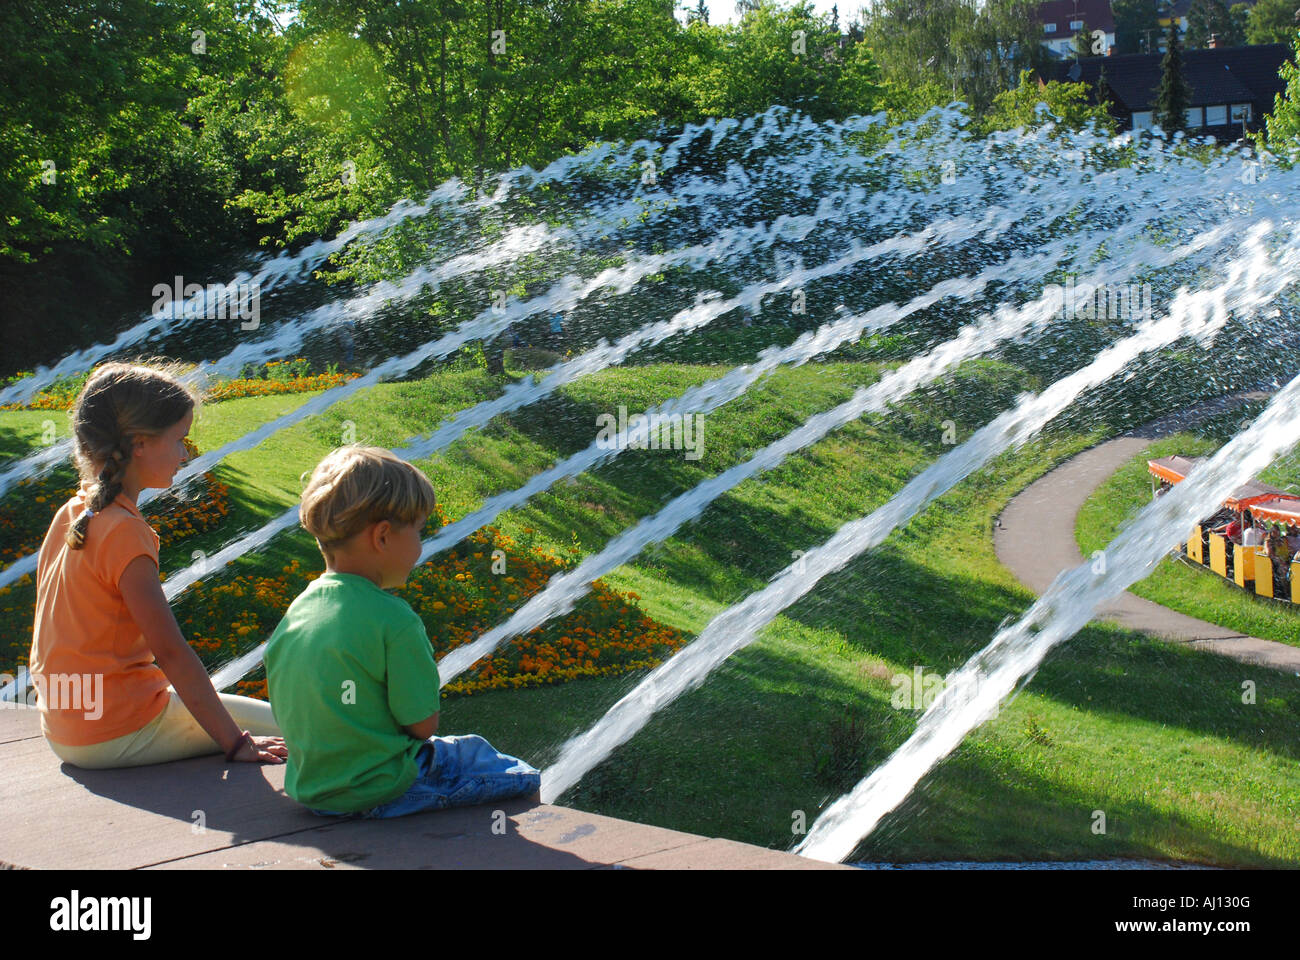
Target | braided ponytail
(119,403)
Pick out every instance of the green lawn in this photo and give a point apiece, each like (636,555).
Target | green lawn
(1153,735)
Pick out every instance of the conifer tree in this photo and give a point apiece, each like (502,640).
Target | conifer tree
(1174,95)
(1102,90)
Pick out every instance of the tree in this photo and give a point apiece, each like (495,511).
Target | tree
(1068,102)
(700,13)
(471,87)
(1082,45)
(92,128)
(1282,126)
(1206,18)
(1102,91)
(975,50)
(1273,21)
(743,68)
(108,180)
(1137,24)
(1174,95)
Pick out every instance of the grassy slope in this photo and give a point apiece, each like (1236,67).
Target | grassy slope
(1153,735)
(1180,586)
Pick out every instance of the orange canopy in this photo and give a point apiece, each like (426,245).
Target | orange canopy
(1281,510)
(1245,497)
(1248,494)
(1173,469)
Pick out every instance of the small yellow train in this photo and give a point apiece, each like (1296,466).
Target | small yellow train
(1251,540)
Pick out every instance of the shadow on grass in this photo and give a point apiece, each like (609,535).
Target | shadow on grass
(708,760)
(897,608)
(977,806)
(744,757)
(17,444)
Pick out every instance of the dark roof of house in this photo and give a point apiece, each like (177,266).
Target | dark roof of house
(1095,14)
(1222,75)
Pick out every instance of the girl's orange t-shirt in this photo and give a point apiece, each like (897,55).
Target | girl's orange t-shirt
(83,627)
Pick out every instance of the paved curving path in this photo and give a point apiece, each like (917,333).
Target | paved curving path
(1034,539)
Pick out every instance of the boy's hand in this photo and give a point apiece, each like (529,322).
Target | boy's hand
(262,750)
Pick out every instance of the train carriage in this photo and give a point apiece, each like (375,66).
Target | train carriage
(1226,543)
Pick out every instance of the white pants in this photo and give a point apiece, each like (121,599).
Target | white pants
(172,735)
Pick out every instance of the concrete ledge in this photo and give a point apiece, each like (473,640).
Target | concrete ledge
(55,816)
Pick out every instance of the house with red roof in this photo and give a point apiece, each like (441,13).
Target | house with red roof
(1062,20)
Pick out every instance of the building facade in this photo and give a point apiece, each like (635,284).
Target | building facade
(1232,88)
(1063,20)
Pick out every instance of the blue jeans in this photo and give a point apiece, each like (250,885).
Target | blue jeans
(456,772)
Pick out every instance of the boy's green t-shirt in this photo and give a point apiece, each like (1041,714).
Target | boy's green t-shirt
(346,668)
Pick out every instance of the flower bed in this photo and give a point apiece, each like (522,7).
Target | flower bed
(273,377)
(458,597)
(278,376)
(25,516)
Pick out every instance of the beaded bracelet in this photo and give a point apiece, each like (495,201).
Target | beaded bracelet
(245,736)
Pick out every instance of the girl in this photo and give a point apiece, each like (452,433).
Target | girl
(105,643)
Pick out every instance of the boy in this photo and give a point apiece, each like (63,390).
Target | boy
(350,671)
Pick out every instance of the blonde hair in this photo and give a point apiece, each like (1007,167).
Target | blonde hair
(355,486)
(120,402)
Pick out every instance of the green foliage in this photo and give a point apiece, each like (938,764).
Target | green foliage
(281,370)
(1239,13)
(1067,105)
(1035,732)
(110,178)
(333,80)
(470,357)
(390,101)
(906,101)
(1273,21)
(744,68)
(1282,126)
(974,50)
(95,140)
(293,114)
